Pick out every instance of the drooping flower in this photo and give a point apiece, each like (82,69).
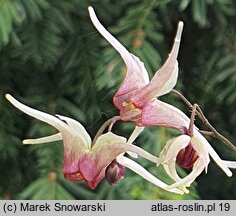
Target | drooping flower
(136,100)
(189,152)
(82,161)
(136,97)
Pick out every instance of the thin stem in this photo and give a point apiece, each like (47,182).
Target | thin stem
(192,119)
(208,133)
(216,133)
(187,102)
(107,123)
(182,97)
(204,120)
(113,121)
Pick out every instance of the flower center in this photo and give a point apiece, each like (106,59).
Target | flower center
(79,176)
(186,157)
(73,176)
(129,104)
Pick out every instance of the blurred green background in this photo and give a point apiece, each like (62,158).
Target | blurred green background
(53,59)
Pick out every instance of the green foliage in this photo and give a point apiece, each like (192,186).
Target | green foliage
(203,10)
(45,188)
(53,59)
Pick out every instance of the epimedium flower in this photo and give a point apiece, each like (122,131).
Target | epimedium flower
(84,161)
(136,96)
(190,152)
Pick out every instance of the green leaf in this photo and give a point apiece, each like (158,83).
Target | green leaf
(199,11)
(184,4)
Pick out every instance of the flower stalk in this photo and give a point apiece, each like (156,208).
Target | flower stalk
(198,111)
(109,123)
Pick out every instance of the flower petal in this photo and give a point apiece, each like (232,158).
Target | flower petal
(52,120)
(135,134)
(92,164)
(213,153)
(47,139)
(172,148)
(74,148)
(198,167)
(171,171)
(165,78)
(110,138)
(144,173)
(106,139)
(159,113)
(136,75)
(77,128)
(135,79)
(74,142)
(132,137)
(230,164)
(201,149)
(107,148)
(141,152)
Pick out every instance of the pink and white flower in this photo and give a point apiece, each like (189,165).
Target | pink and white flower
(190,152)
(136,97)
(82,161)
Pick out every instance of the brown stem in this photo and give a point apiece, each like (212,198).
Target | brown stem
(186,101)
(114,120)
(107,123)
(182,97)
(216,133)
(192,119)
(208,133)
(204,120)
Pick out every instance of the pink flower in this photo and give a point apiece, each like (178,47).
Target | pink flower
(83,161)
(136,97)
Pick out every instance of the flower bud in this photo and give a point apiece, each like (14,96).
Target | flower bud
(186,157)
(114,172)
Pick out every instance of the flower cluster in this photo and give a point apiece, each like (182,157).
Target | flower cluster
(136,99)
